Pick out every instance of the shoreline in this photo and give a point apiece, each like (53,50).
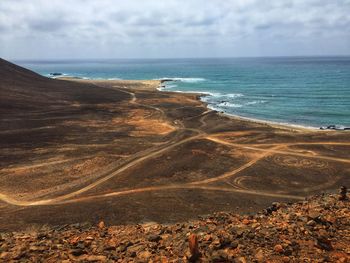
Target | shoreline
(288,126)
(161,87)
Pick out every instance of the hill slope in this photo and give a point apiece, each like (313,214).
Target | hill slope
(317,230)
(22,89)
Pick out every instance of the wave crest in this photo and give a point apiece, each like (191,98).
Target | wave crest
(187,80)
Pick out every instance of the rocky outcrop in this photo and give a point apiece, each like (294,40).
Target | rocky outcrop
(315,230)
(335,127)
(56,74)
(166,80)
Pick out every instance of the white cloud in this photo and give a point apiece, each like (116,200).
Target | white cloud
(153,28)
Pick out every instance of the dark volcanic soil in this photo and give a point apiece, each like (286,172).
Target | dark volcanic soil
(120,151)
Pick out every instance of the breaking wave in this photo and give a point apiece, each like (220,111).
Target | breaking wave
(186,80)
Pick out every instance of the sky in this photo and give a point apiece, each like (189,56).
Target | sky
(83,29)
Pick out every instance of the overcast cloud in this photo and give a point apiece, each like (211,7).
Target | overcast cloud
(41,29)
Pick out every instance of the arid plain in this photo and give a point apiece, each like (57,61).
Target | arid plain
(124,152)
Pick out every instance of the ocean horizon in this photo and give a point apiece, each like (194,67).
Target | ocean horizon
(305,91)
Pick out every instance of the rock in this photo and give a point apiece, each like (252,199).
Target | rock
(77,252)
(124,246)
(96,258)
(330,219)
(19,252)
(167,80)
(136,249)
(193,247)
(343,193)
(240,260)
(55,74)
(4,247)
(219,256)
(278,248)
(225,241)
(311,223)
(36,249)
(313,214)
(101,225)
(245,221)
(154,238)
(74,240)
(324,243)
(288,252)
(259,256)
(335,127)
(144,255)
(42,235)
(286,259)
(4,255)
(234,244)
(240,232)
(111,245)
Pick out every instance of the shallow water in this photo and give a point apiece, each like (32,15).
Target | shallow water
(309,91)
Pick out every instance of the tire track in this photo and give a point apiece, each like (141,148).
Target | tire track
(12,201)
(181,187)
(329,158)
(240,169)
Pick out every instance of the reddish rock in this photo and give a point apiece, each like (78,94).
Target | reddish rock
(245,221)
(193,246)
(101,225)
(278,248)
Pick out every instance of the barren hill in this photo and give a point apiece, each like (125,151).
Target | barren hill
(24,90)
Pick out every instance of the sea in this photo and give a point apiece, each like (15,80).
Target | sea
(302,91)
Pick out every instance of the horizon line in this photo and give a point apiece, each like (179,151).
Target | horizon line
(170,58)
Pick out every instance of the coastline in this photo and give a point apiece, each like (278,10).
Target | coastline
(160,85)
(287,126)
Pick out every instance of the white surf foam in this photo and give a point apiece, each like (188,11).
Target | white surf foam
(218,95)
(230,105)
(255,102)
(234,95)
(187,80)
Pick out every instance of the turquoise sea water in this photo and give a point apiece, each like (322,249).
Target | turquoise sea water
(308,91)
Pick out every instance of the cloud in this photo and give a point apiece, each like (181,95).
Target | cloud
(49,24)
(118,28)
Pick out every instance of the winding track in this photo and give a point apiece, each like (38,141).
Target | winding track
(328,158)
(199,185)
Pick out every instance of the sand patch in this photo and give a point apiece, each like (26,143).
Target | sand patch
(177,99)
(144,124)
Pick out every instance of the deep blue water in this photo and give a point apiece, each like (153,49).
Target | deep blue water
(309,91)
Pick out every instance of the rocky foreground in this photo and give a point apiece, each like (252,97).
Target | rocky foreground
(315,230)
